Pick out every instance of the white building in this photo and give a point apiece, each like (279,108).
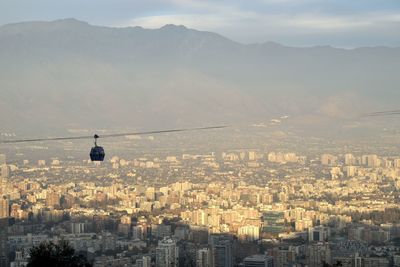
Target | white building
(167,253)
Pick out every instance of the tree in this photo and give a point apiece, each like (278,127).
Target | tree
(337,264)
(57,255)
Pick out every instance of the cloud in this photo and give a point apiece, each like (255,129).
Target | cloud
(294,22)
(204,21)
(249,26)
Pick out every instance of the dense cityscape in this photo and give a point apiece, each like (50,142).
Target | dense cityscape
(199,133)
(242,207)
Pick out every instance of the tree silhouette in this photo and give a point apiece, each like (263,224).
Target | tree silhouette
(57,255)
(337,264)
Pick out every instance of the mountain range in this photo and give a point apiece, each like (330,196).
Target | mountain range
(68,74)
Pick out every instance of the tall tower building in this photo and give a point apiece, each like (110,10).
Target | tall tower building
(203,258)
(282,256)
(223,253)
(3,243)
(4,171)
(200,217)
(167,253)
(317,254)
(350,171)
(396,163)
(349,159)
(4,208)
(372,161)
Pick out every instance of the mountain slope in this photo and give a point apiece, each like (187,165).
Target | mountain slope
(68,73)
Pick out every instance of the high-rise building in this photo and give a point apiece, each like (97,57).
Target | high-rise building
(145,261)
(273,222)
(223,253)
(328,159)
(252,155)
(349,159)
(204,258)
(4,171)
(258,261)
(249,232)
(318,233)
(53,199)
(77,228)
(375,262)
(291,157)
(138,232)
(280,157)
(350,170)
(150,193)
(167,253)
(318,254)
(4,208)
(181,233)
(373,161)
(200,217)
(283,256)
(396,260)
(3,243)
(161,230)
(396,163)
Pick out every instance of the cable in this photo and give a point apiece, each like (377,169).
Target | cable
(111,135)
(382,113)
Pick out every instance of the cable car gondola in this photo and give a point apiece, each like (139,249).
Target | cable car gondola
(97,152)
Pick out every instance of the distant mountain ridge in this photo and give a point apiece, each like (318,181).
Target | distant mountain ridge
(68,73)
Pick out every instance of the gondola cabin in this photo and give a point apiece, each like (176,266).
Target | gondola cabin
(97,152)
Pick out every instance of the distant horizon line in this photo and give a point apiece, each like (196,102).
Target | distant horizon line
(270,42)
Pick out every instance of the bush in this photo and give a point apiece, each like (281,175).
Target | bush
(57,255)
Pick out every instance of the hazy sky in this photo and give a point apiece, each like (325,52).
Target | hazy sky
(344,23)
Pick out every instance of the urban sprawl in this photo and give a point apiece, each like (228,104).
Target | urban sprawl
(237,208)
